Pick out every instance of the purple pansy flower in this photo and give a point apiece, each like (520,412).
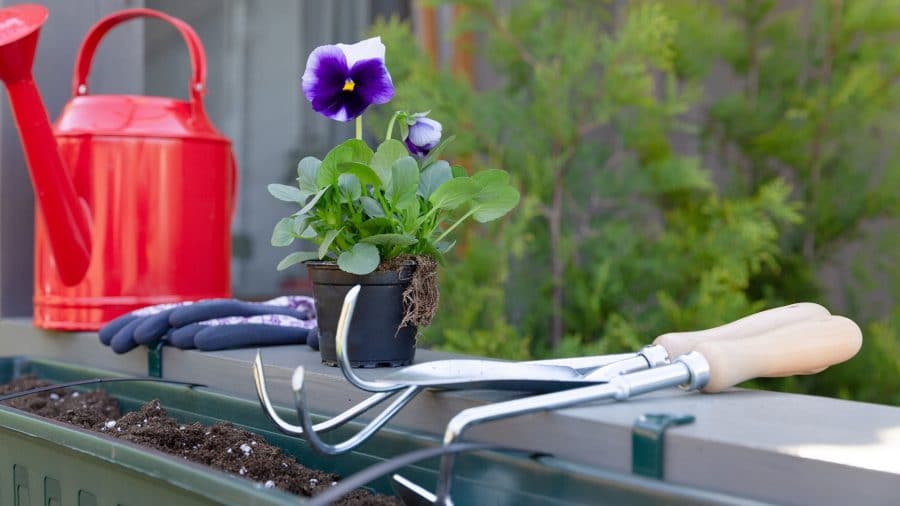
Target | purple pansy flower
(342,80)
(424,134)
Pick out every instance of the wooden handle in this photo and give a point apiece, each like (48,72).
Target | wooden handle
(785,351)
(679,343)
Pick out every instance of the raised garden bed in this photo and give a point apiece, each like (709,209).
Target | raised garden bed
(49,462)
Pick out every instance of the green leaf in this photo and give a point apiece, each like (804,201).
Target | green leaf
(295,258)
(494,203)
(353,150)
(459,171)
(301,223)
(309,232)
(326,242)
(372,207)
(283,233)
(491,178)
(376,226)
(287,193)
(433,177)
(454,193)
(496,196)
(312,202)
(365,173)
(410,214)
(383,160)
(436,152)
(429,249)
(360,260)
(404,181)
(307,171)
(391,240)
(348,185)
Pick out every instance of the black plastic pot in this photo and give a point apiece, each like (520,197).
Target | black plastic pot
(375,339)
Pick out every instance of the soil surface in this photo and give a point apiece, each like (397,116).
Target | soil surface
(222,446)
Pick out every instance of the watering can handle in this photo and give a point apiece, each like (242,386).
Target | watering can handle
(195,47)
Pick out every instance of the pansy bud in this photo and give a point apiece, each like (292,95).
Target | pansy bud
(424,134)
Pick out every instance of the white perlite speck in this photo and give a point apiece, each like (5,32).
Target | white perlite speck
(54,397)
(269,484)
(313,482)
(110,424)
(75,394)
(243,471)
(246,449)
(229,450)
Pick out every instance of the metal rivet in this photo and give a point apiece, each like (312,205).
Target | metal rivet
(82,89)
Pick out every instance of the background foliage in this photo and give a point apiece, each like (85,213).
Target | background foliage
(681,164)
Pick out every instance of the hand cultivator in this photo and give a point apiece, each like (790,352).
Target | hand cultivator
(797,339)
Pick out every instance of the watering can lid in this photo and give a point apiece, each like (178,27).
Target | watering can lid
(19,21)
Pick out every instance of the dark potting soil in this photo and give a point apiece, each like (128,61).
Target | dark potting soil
(222,446)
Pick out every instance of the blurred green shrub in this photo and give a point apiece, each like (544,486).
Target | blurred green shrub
(681,164)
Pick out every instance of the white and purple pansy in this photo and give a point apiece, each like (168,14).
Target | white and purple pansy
(424,134)
(342,80)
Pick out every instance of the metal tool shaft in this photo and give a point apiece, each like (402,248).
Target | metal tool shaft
(690,371)
(535,376)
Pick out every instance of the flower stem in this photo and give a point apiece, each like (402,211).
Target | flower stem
(390,128)
(359,127)
(454,226)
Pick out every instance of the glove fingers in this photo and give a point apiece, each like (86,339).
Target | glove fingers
(249,334)
(183,337)
(152,328)
(313,339)
(123,341)
(220,308)
(108,331)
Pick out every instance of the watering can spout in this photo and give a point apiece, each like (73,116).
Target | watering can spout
(65,214)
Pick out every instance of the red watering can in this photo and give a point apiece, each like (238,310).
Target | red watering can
(135,194)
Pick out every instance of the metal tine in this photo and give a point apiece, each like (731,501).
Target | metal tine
(310,433)
(262,393)
(340,345)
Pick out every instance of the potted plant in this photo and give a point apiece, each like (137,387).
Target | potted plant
(382,218)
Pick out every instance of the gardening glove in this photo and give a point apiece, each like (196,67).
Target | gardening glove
(241,332)
(151,324)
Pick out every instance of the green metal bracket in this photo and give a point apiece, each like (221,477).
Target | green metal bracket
(647,438)
(155,361)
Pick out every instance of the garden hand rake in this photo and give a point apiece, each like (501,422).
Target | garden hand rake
(745,327)
(711,366)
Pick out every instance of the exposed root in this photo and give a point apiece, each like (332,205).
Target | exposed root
(420,299)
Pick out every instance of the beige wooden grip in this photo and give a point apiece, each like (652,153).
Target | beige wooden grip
(680,343)
(785,351)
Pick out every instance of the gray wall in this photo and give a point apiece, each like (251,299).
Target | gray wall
(256,51)
(118,68)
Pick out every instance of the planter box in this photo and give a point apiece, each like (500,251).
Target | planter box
(49,463)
